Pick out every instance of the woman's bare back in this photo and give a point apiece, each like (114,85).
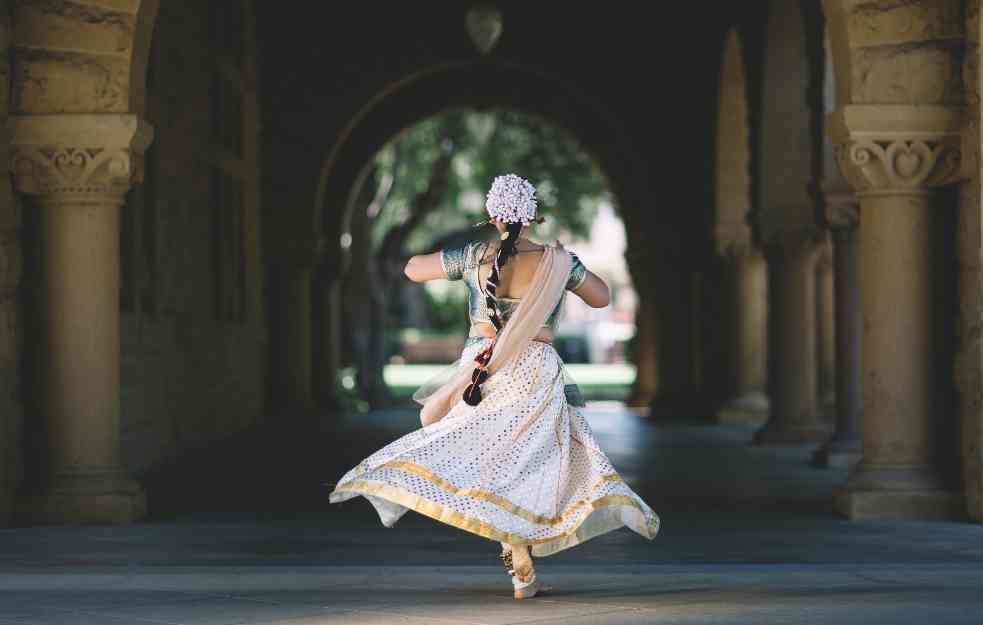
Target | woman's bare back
(517,274)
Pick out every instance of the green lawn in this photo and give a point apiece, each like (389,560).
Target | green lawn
(595,381)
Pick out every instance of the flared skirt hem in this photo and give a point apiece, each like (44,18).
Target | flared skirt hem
(599,516)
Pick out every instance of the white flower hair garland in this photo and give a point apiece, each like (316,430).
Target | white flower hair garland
(512,199)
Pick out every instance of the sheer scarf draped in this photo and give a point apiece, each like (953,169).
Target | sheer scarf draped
(544,292)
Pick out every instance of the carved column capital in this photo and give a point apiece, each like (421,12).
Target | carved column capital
(889,164)
(78,157)
(898,149)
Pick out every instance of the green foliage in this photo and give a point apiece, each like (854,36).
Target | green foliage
(430,182)
(447,310)
(485,145)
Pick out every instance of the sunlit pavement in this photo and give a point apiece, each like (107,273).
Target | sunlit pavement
(747,537)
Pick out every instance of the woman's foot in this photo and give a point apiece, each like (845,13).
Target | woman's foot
(524,582)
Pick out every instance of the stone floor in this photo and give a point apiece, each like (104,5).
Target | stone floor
(747,538)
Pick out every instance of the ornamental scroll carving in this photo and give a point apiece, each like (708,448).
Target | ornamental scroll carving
(41,170)
(77,154)
(895,163)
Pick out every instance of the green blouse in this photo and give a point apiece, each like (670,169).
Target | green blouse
(461,263)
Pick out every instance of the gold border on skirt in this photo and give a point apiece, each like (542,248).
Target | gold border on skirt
(498,500)
(476,526)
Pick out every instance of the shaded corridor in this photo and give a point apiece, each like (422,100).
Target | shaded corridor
(747,537)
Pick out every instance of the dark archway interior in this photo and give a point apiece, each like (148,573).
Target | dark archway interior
(634,92)
(326,90)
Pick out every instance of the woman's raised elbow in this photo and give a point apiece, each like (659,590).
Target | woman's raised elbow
(424,267)
(595,292)
(602,298)
(412,269)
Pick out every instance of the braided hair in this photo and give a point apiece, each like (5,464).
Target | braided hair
(472,394)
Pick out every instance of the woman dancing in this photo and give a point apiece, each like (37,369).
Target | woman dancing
(505,451)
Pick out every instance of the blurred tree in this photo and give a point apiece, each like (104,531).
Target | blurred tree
(427,188)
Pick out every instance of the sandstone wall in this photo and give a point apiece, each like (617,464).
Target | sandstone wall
(11,395)
(193,343)
(969,359)
(193,329)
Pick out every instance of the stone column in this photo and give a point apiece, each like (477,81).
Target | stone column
(844,448)
(792,321)
(893,156)
(826,329)
(79,168)
(330,354)
(676,353)
(334,265)
(294,343)
(748,286)
(646,362)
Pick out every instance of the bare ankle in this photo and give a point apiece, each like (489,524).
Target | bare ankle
(522,562)
(524,572)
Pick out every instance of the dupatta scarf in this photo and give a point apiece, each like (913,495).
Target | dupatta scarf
(544,292)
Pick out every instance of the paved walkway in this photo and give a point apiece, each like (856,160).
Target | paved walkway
(747,538)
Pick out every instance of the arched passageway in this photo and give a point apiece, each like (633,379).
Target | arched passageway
(346,166)
(692,164)
(423,191)
(793,176)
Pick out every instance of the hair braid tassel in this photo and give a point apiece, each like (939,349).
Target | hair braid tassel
(472,394)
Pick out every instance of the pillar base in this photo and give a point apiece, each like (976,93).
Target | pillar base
(748,409)
(839,453)
(921,505)
(790,434)
(902,492)
(92,496)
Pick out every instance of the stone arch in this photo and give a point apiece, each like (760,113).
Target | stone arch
(392,109)
(426,93)
(81,57)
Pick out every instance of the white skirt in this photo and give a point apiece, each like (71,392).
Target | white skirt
(521,467)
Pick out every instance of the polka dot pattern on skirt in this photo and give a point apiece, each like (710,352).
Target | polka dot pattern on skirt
(522,466)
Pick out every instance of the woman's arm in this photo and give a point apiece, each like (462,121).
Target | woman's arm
(593,291)
(424,267)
